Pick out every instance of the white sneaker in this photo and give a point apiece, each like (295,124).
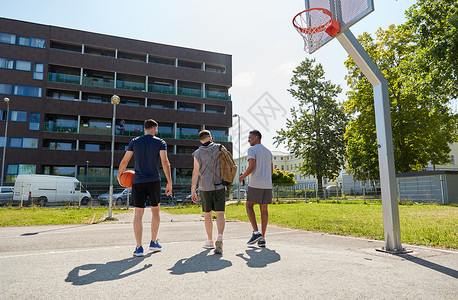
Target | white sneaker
(209,245)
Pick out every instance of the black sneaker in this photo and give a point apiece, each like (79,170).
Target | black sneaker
(254,238)
(262,242)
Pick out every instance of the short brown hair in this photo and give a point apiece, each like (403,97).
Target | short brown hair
(150,123)
(204,134)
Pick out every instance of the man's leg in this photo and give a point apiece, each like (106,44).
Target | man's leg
(155,220)
(209,224)
(251,215)
(138,225)
(220,221)
(264,218)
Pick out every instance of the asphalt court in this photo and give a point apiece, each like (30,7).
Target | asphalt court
(95,261)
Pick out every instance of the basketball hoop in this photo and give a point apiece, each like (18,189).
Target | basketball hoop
(313,24)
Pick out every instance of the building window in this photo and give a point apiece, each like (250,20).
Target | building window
(34,121)
(5,88)
(18,169)
(2,141)
(27,143)
(38,71)
(452,157)
(282,168)
(63,171)
(28,91)
(7,38)
(23,65)
(31,42)
(92,147)
(60,146)
(6,63)
(18,116)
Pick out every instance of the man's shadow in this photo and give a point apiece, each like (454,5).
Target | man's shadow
(112,270)
(201,262)
(259,257)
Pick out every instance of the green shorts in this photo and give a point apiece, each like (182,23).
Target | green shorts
(213,200)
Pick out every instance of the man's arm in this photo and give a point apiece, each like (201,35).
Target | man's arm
(195,178)
(272,168)
(123,164)
(167,171)
(249,170)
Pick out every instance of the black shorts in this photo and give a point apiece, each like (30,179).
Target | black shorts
(141,191)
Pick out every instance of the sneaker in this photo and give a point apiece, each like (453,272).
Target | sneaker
(138,251)
(262,242)
(254,238)
(219,247)
(209,245)
(154,246)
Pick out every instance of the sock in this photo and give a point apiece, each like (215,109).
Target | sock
(220,237)
(256,232)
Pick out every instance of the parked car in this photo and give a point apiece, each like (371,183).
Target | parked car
(183,198)
(242,194)
(6,194)
(119,196)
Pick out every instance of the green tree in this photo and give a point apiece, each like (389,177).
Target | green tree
(434,64)
(315,131)
(422,124)
(282,178)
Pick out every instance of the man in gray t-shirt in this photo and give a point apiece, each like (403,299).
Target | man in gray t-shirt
(212,193)
(260,167)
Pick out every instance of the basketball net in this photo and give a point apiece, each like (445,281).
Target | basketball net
(312,25)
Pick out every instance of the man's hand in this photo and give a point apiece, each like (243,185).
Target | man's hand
(168,189)
(119,179)
(241,178)
(194,197)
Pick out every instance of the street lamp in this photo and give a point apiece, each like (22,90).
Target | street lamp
(238,186)
(115,101)
(7,100)
(87,172)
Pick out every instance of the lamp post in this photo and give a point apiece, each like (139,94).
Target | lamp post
(7,100)
(87,172)
(115,101)
(238,185)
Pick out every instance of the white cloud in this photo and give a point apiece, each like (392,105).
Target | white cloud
(245,79)
(287,68)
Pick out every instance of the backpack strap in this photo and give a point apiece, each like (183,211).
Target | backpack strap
(214,165)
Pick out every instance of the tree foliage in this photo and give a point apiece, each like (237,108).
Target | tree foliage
(316,127)
(283,178)
(422,124)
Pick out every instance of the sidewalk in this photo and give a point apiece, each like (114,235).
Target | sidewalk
(95,262)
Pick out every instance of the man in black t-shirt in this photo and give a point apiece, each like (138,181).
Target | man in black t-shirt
(149,151)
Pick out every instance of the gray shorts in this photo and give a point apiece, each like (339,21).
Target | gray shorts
(260,196)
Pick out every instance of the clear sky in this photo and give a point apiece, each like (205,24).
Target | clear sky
(259,35)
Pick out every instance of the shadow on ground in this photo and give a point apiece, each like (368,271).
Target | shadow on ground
(259,257)
(201,262)
(112,270)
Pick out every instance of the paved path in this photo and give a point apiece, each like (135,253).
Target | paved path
(95,262)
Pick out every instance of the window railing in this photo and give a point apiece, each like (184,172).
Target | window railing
(63,78)
(217,95)
(128,85)
(161,89)
(221,138)
(163,134)
(126,132)
(51,127)
(190,92)
(95,130)
(187,136)
(98,82)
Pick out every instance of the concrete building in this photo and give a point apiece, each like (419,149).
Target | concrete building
(60,81)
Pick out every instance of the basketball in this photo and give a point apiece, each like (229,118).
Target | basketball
(126,178)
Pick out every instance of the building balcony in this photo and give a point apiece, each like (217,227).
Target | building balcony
(51,127)
(190,92)
(221,138)
(217,95)
(165,134)
(98,82)
(132,86)
(161,89)
(63,78)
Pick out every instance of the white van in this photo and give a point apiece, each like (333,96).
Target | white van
(42,189)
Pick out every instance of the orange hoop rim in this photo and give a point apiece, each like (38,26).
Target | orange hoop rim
(317,29)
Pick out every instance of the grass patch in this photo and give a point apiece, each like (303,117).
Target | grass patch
(49,216)
(431,225)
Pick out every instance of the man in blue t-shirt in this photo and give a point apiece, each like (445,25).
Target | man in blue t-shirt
(149,152)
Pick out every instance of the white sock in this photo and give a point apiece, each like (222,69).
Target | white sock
(256,232)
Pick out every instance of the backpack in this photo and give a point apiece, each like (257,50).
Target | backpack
(227,165)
